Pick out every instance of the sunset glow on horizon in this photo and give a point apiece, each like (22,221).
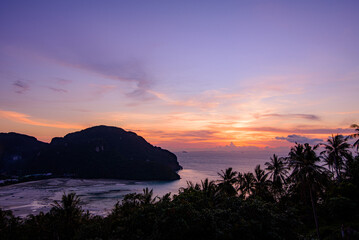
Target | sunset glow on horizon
(184,75)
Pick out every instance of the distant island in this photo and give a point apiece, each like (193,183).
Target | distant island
(96,152)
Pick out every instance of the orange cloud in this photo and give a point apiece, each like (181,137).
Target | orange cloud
(26,119)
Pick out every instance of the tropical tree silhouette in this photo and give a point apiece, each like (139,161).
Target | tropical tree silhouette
(190,187)
(147,197)
(277,171)
(335,153)
(355,135)
(246,183)
(208,188)
(67,216)
(227,181)
(69,206)
(209,192)
(306,174)
(260,182)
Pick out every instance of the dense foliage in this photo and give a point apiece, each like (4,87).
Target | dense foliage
(304,195)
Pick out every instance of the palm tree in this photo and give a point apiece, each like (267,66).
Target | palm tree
(336,151)
(227,181)
(67,216)
(209,192)
(355,135)
(277,170)
(190,187)
(306,173)
(246,183)
(147,197)
(208,188)
(260,180)
(69,206)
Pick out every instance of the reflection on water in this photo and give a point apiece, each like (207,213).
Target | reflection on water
(100,195)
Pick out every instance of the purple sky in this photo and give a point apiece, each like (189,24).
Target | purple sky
(184,74)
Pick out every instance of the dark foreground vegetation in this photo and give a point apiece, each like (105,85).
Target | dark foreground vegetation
(310,194)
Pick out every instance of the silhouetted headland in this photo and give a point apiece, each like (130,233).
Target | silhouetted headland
(96,152)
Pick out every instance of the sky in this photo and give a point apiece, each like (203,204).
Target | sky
(183,74)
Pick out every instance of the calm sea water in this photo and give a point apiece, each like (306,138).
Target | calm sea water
(100,195)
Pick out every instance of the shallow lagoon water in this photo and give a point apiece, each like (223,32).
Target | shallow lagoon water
(98,196)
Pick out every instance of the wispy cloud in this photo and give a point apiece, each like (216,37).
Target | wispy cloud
(300,139)
(128,70)
(205,100)
(271,86)
(21,86)
(295,130)
(99,90)
(185,136)
(26,119)
(60,90)
(324,130)
(287,116)
(62,81)
(198,134)
(256,95)
(124,71)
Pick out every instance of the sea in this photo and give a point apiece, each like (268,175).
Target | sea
(98,196)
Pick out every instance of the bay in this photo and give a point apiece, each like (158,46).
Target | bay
(98,196)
